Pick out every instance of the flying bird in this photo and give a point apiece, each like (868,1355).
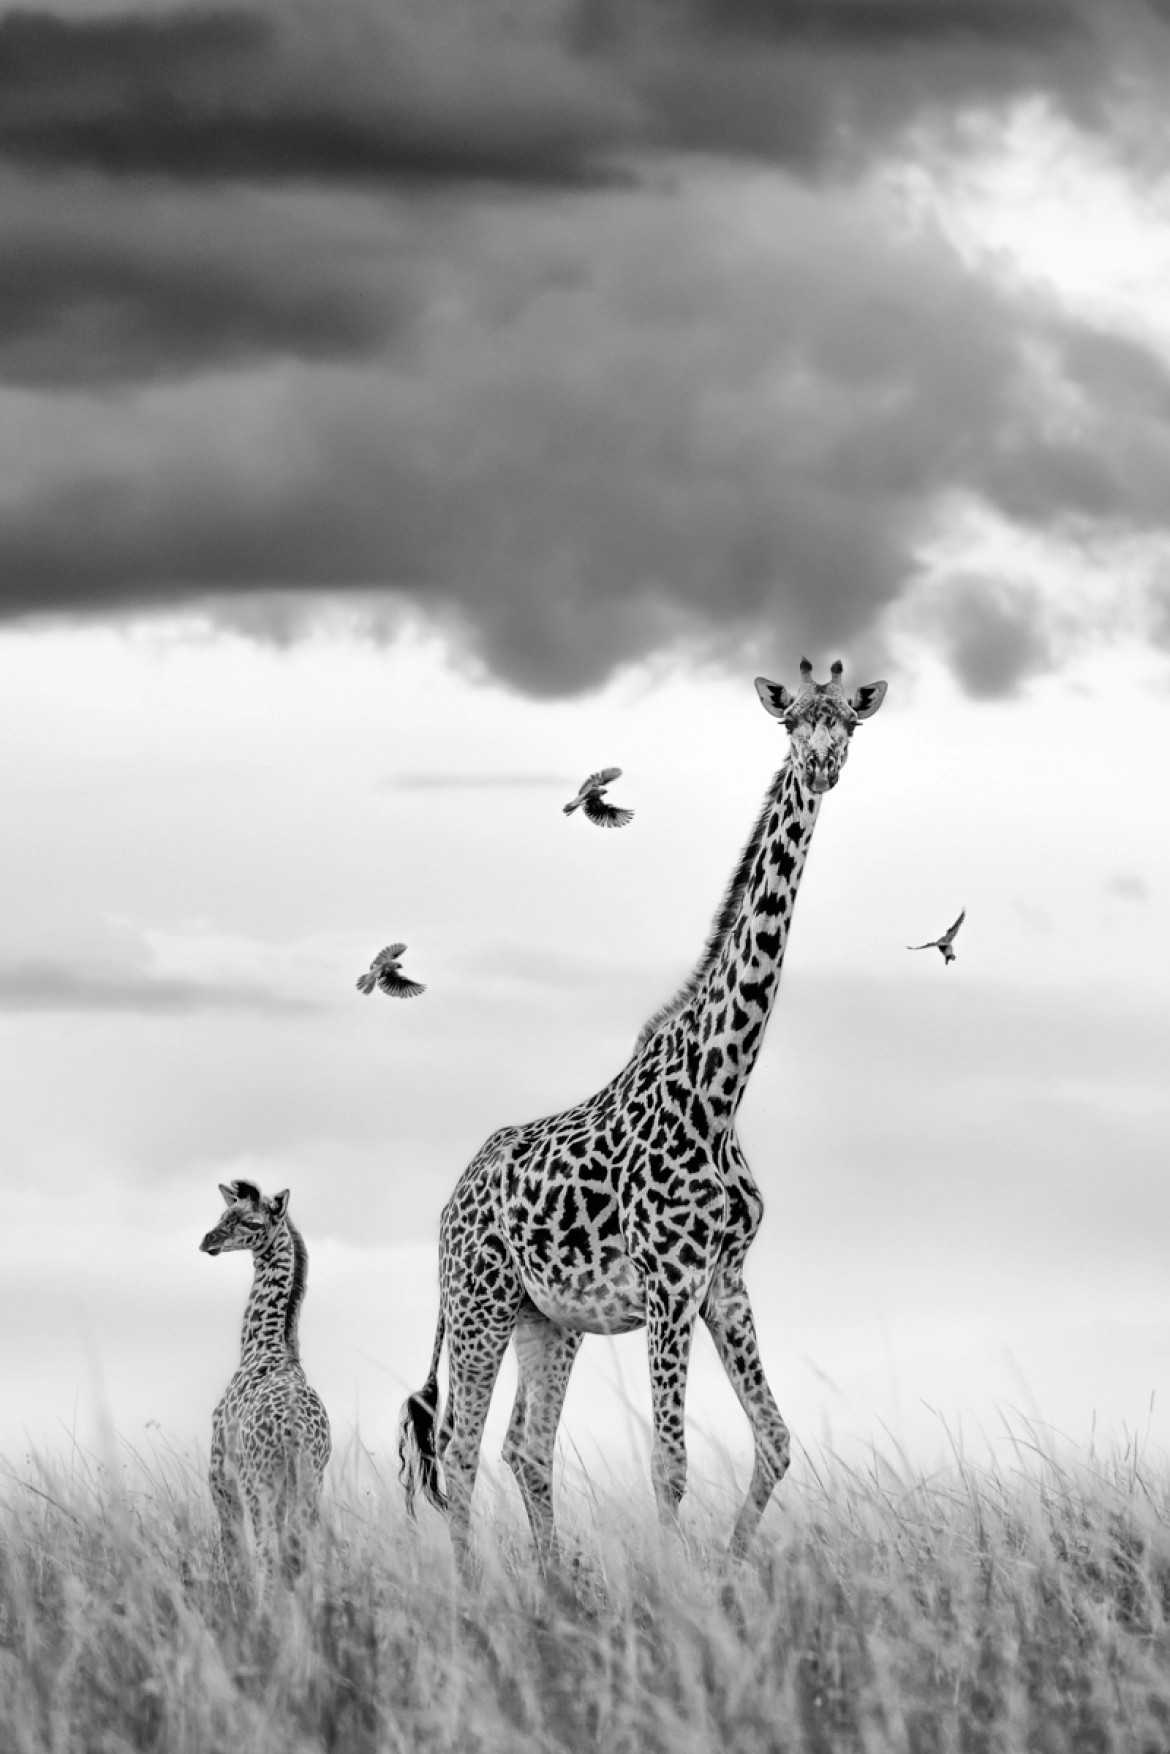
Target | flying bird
(591,800)
(384,973)
(945,942)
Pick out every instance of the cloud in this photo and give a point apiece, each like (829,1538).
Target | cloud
(996,637)
(918,1042)
(896,24)
(538,94)
(544,968)
(730,419)
(724,412)
(444,782)
(1128,886)
(578,462)
(100,284)
(825,84)
(333,92)
(106,285)
(45,985)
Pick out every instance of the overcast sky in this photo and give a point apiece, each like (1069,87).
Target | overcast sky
(405,410)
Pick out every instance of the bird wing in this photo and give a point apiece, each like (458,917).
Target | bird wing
(391,954)
(606,815)
(603,777)
(951,930)
(931,944)
(365,982)
(397,986)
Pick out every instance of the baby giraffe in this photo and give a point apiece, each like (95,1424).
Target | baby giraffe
(270,1432)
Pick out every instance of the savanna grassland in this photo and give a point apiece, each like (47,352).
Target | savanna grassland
(1018,1607)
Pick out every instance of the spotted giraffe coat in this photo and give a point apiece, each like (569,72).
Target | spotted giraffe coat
(270,1438)
(645,1177)
(635,1206)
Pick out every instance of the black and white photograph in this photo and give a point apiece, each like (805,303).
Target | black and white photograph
(584,757)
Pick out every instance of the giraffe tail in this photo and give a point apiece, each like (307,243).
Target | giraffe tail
(418,1452)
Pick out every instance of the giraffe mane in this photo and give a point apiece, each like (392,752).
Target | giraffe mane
(725,917)
(296,1291)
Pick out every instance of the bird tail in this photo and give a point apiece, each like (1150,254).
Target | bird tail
(418,1451)
(607,815)
(398,987)
(365,982)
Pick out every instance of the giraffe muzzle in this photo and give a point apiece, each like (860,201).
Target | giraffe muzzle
(821,779)
(210,1245)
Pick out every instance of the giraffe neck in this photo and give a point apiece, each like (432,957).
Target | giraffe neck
(280,1268)
(721,1029)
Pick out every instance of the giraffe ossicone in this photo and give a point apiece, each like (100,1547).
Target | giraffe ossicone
(270,1432)
(635,1207)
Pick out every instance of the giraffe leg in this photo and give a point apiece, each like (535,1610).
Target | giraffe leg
(260,1497)
(298,1514)
(545,1353)
(477,1341)
(481,1294)
(230,1510)
(266,1450)
(446,1427)
(670,1326)
(728,1315)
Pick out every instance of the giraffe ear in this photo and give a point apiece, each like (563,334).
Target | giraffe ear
(868,698)
(774,697)
(278,1204)
(227,1194)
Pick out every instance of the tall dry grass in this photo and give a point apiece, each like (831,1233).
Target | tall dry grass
(1018,1607)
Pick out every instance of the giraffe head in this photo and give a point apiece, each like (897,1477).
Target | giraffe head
(820,719)
(249,1218)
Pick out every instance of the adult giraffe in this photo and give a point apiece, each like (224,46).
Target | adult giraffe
(636,1206)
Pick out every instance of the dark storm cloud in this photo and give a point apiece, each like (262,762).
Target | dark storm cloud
(44,985)
(572,433)
(897,24)
(996,637)
(100,285)
(338,91)
(555,476)
(826,90)
(543,94)
(613,431)
(819,84)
